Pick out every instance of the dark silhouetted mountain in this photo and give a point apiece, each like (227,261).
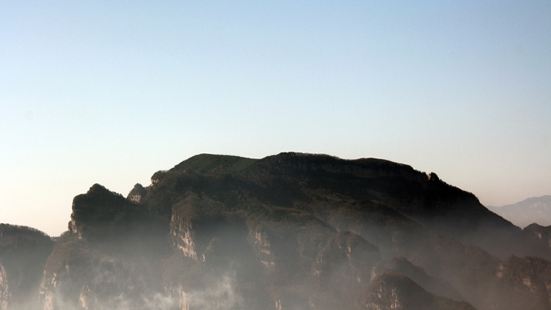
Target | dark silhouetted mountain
(532,210)
(290,231)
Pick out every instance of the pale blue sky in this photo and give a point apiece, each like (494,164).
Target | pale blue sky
(111,91)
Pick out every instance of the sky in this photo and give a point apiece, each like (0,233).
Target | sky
(111,91)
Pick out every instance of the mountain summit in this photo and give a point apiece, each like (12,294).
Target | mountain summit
(289,231)
(530,210)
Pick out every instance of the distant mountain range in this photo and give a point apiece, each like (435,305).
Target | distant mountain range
(291,231)
(532,210)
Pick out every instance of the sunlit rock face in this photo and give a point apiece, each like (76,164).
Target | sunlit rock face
(4,289)
(137,193)
(263,262)
(287,232)
(181,234)
(262,247)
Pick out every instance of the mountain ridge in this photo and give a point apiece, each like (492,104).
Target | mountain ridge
(527,211)
(288,231)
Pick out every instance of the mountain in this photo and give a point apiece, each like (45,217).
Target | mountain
(285,232)
(531,210)
(23,253)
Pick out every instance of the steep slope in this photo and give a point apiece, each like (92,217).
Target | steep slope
(402,266)
(395,292)
(292,231)
(532,210)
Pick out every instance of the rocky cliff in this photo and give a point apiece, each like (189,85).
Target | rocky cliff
(290,231)
(23,253)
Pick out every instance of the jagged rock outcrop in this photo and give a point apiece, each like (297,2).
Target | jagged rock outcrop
(292,231)
(137,193)
(100,214)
